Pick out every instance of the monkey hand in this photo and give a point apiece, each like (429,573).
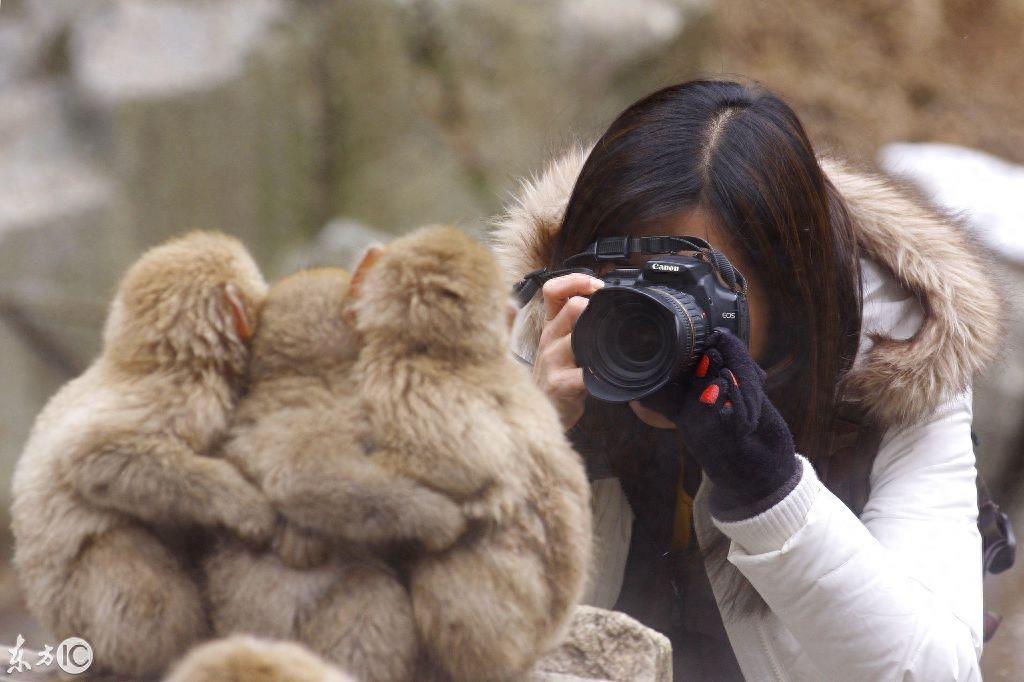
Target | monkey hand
(298,548)
(496,503)
(247,512)
(443,526)
(378,509)
(732,429)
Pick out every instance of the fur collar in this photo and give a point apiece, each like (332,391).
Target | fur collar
(896,381)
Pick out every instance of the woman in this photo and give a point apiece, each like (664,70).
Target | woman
(859,557)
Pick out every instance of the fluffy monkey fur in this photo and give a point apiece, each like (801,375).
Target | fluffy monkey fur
(114,468)
(242,658)
(298,434)
(446,405)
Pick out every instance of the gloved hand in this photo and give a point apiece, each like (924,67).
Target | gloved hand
(730,427)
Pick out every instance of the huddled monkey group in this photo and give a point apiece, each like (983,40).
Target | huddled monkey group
(352,464)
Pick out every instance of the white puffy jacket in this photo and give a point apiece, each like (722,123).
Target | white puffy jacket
(896,593)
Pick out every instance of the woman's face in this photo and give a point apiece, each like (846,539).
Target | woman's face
(697,223)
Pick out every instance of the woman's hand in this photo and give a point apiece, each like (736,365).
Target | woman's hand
(731,428)
(554,366)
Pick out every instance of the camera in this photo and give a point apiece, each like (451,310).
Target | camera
(649,324)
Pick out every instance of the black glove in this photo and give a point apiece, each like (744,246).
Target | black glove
(731,428)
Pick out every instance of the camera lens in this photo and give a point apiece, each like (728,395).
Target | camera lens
(639,338)
(632,341)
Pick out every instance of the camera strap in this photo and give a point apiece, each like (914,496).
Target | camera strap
(609,249)
(525,289)
(621,248)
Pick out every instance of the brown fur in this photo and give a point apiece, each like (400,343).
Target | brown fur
(299,435)
(449,408)
(898,382)
(933,259)
(115,466)
(249,659)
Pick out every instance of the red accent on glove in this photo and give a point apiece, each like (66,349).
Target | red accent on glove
(710,394)
(702,366)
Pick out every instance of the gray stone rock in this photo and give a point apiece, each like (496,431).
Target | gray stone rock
(339,244)
(32,35)
(613,32)
(608,645)
(16,49)
(161,48)
(560,677)
(402,153)
(264,118)
(32,123)
(440,105)
(503,71)
(209,115)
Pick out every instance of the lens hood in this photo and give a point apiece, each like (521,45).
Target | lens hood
(631,341)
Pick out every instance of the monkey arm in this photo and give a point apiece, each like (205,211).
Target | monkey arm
(159,480)
(357,501)
(298,548)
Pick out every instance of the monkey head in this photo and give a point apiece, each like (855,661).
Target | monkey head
(302,329)
(192,301)
(435,291)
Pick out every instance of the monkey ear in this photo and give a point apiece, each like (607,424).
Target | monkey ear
(239,312)
(367,261)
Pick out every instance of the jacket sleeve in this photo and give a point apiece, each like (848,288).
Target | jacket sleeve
(896,594)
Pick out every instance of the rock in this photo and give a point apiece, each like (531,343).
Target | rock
(32,38)
(402,154)
(33,125)
(339,244)
(980,187)
(208,114)
(622,31)
(513,59)
(16,49)
(440,106)
(161,48)
(264,118)
(559,677)
(608,645)
(60,242)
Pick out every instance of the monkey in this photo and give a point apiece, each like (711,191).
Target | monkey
(444,404)
(346,602)
(242,658)
(115,466)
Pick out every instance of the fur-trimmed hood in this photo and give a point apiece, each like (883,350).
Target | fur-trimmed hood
(927,253)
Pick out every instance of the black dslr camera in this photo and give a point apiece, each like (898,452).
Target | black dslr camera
(648,325)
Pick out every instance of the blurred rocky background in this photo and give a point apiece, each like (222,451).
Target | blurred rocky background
(311,128)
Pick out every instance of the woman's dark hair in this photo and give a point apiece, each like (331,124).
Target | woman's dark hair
(740,155)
